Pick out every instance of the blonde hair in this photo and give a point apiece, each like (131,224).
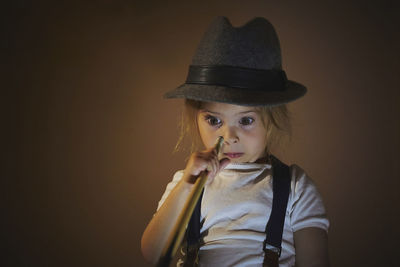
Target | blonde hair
(276,120)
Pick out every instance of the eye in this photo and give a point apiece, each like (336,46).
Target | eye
(213,121)
(246,121)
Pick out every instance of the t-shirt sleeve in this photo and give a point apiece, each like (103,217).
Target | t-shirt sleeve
(307,208)
(171,185)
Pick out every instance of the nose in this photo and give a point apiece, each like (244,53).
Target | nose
(230,136)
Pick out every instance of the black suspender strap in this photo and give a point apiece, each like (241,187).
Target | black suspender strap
(274,230)
(194,223)
(193,235)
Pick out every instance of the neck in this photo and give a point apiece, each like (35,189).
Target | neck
(264,159)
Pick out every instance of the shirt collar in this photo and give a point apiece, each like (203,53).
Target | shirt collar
(247,166)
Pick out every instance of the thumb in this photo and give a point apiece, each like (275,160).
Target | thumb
(223,163)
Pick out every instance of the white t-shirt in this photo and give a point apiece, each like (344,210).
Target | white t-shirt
(235,209)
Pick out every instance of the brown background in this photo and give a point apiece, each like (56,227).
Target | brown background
(87,137)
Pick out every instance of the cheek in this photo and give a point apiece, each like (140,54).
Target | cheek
(257,139)
(206,135)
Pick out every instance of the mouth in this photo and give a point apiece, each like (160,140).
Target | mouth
(233,155)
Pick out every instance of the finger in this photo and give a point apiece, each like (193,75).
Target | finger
(212,168)
(199,166)
(210,179)
(211,175)
(223,163)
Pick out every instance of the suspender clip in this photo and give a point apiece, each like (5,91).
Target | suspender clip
(269,248)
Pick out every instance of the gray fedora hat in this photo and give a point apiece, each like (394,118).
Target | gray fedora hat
(239,65)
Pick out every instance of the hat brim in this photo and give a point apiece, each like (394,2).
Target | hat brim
(239,96)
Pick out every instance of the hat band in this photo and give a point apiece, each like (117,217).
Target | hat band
(237,77)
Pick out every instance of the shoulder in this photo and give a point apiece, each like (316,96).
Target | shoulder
(171,185)
(175,180)
(297,175)
(177,176)
(300,179)
(302,185)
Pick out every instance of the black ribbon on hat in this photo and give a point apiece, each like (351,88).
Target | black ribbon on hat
(237,77)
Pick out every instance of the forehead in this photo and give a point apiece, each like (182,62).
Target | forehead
(224,108)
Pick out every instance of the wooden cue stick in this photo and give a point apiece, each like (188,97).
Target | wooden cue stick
(176,236)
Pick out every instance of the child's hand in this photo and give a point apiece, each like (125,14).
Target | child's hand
(207,161)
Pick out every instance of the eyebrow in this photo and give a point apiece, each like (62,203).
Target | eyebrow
(242,112)
(247,111)
(209,111)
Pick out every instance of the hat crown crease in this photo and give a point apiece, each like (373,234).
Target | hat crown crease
(252,45)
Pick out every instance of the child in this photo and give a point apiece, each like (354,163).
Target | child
(236,89)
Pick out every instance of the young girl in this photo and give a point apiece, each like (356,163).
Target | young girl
(236,89)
